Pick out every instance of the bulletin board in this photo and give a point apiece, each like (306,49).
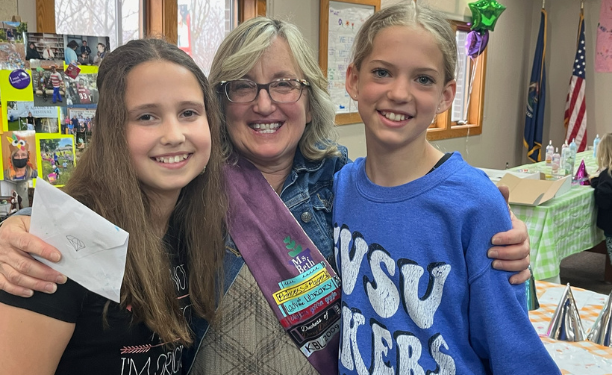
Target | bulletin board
(47,104)
(338,25)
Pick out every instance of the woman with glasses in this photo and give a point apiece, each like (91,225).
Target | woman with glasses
(280,313)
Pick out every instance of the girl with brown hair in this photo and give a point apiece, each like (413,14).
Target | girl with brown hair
(153,168)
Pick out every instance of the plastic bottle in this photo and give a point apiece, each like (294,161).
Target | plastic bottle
(549,152)
(563,147)
(564,164)
(595,144)
(556,159)
(569,162)
(573,147)
(563,154)
(574,150)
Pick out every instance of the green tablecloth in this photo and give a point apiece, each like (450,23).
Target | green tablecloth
(562,226)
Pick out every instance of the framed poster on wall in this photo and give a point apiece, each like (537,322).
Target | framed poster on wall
(339,22)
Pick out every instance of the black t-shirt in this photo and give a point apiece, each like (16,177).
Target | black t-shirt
(114,347)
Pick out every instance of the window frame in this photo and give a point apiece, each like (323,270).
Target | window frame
(443,127)
(161,16)
(248,9)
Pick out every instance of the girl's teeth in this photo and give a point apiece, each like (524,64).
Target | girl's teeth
(171,159)
(395,116)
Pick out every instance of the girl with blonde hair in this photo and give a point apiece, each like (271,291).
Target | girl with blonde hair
(412,225)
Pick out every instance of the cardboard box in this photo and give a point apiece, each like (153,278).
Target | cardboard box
(532,192)
(496,175)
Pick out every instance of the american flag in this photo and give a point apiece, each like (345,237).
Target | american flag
(575,106)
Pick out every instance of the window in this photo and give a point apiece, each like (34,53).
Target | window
(465,116)
(203,24)
(201,27)
(120,20)
(154,17)
(209,21)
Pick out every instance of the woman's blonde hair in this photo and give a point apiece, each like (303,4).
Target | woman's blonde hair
(106,182)
(241,50)
(604,153)
(412,15)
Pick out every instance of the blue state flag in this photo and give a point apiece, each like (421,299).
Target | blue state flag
(536,97)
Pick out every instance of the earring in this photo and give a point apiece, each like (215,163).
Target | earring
(203,170)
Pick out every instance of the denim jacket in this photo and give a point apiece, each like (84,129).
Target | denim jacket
(307,193)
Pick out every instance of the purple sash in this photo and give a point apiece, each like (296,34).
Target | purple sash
(299,284)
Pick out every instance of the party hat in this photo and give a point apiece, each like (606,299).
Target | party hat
(565,323)
(532,297)
(601,333)
(582,177)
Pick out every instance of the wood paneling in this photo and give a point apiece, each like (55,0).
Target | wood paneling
(161,19)
(45,16)
(261,7)
(248,9)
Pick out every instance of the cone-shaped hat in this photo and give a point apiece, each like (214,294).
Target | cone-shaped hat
(565,323)
(602,329)
(582,177)
(532,297)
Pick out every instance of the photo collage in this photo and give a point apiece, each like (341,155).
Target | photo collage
(47,124)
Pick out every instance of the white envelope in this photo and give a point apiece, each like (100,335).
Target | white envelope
(93,249)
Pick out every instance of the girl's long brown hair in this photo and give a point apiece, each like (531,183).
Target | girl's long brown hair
(106,182)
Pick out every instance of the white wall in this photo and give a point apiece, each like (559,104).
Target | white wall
(27,11)
(24,8)
(8,8)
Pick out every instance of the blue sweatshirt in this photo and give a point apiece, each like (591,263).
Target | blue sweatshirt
(419,293)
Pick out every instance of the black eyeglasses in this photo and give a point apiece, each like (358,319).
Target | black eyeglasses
(283,90)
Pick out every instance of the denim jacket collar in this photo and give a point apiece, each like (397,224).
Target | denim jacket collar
(301,164)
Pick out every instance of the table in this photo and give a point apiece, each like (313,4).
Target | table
(562,226)
(573,358)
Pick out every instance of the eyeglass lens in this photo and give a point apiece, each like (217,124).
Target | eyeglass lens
(281,91)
